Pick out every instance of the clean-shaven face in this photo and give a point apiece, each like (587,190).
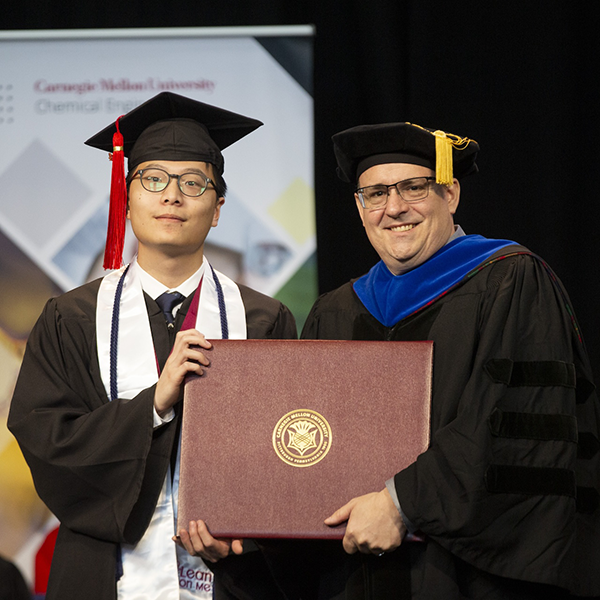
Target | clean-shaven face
(169,221)
(406,235)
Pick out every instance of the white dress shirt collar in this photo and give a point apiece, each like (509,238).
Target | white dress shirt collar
(155,288)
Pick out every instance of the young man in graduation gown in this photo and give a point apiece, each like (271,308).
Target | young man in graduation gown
(506,497)
(96,406)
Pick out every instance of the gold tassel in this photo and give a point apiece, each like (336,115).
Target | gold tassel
(444,143)
(443,158)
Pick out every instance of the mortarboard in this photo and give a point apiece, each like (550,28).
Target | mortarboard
(166,127)
(365,146)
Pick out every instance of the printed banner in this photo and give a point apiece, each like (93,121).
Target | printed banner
(57,89)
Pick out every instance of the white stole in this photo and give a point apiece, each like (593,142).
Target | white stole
(155,568)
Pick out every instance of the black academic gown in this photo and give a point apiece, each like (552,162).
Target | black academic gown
(506,495)
(99,466)
(12,584)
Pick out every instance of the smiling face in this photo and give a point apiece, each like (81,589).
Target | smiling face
(168,223)
(406,235)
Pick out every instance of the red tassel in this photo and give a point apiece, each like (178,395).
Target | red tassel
(117,213)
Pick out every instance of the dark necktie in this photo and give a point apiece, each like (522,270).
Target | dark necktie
(167,302)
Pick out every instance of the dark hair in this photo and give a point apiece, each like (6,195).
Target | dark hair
(219,182)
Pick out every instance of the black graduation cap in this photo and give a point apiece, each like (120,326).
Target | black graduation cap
(173,127)
(365,146)
(166,127)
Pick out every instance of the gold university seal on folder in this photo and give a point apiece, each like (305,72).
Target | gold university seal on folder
(302,437)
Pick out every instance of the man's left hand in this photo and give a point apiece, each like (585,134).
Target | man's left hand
(374,523)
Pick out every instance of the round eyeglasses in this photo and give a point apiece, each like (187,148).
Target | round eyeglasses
(191,184)
(410,190)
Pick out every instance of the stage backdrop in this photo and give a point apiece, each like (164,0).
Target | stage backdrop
(57,88)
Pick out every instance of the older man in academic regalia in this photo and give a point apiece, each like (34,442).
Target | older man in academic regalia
(505,502)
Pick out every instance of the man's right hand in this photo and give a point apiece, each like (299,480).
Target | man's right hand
(198,541)
(186,357)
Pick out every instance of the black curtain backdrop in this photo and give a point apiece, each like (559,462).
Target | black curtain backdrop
(520,78)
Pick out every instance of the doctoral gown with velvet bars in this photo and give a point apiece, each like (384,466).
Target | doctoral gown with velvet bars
(99,466)
(507,493)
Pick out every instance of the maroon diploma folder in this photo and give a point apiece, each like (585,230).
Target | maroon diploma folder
(277,434)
